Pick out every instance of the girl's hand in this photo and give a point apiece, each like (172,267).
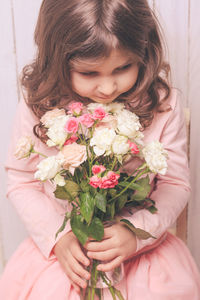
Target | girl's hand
(71,258)
(119,244)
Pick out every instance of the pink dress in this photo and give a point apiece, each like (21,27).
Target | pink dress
(161,270)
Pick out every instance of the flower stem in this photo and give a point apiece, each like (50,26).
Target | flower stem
(134,179)
(36,152)
(136,170)
(113,164)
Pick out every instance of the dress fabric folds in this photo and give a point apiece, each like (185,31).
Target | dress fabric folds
(166,272)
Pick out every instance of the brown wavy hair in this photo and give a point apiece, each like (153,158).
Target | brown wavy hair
(69,29)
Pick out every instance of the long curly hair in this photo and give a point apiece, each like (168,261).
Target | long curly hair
(69,29)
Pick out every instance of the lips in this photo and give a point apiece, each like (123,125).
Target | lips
(106,99)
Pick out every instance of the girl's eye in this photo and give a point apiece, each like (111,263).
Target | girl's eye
(88,73)
(124,67)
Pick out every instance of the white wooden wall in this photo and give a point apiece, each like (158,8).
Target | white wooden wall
(181,23)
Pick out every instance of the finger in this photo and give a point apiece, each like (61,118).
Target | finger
(77,280)
(78,269)
(98,246)
(111,264)
(103,255)
(76,287)
(80,256)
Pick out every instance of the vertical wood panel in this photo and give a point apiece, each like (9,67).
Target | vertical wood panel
(25,16)
(151,3)
(173,16)
(17,20)
(8,98)
(194,101)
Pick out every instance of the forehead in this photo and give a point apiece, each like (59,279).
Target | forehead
(116,58)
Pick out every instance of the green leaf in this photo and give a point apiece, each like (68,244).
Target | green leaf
(87,206)
(140,233)
(61,193)
(112,210)
(146,187)
(72,188)
(78,173)
(100,201)
(84,186)
(132,186)
(96,229)
(112,192)
(79,228)
(152,209)
(66,218)
(122,201)
(67,192)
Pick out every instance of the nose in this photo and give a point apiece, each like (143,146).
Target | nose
(107,86)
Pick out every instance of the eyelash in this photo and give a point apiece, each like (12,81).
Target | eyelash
(118,70)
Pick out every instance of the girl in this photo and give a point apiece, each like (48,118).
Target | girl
(99,51)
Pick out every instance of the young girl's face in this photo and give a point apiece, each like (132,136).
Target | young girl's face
(104,79)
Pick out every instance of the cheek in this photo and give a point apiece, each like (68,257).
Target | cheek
(128,81)
(80,86)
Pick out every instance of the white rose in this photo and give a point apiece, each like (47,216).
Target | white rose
(102,141)
(24,147)
(120,145)
(57,133)
(51,116)
(109,122)
(115,107)
(128,124)
(59,180)
(48,168)
(156,157)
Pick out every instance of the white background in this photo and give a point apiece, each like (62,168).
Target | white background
(181,23)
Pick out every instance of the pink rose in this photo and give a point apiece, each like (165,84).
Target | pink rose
(97,169)
(133,147)
(71,140)
(113,176)
(106,183)
(73,156)
(110,180)
(86,120)
(71,125)
(99,113)
(95,181)
(75,108)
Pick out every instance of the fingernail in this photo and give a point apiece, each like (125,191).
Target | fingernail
(83,285)
(87,276)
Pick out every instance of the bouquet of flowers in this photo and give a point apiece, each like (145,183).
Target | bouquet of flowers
(93,143)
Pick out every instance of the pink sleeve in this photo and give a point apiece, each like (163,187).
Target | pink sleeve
(173,189)
(35,208)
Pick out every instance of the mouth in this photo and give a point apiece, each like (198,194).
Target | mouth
(104,99)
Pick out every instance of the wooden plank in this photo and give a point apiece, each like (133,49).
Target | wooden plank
(8,98)
(151,3)
(194,102)
(173,16)
(25,18)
